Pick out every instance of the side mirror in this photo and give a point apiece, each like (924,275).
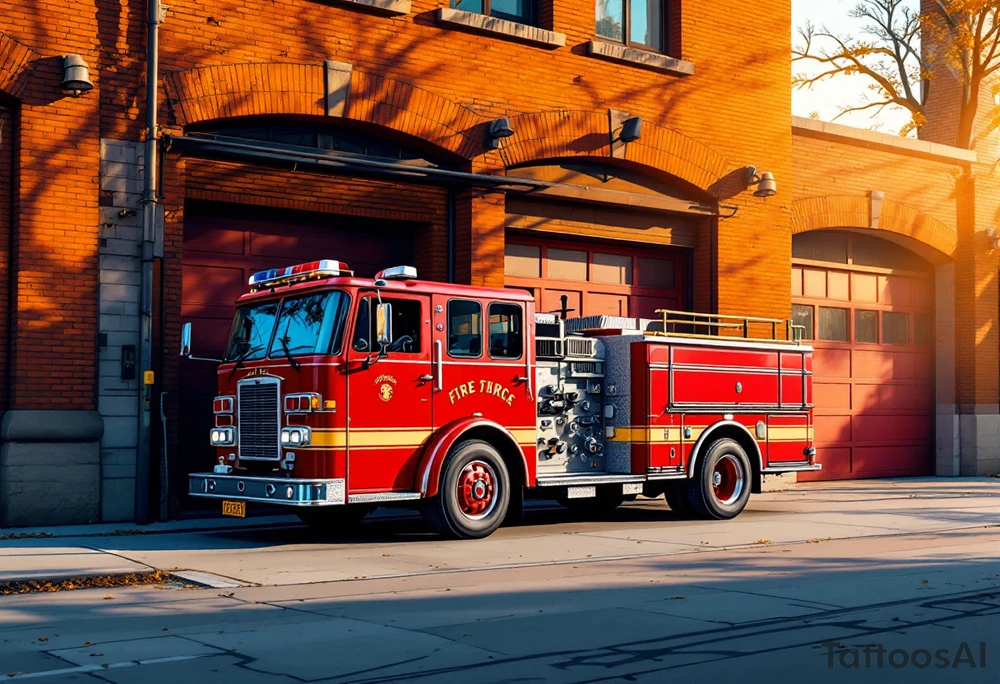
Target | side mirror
(186,339)
(383,324)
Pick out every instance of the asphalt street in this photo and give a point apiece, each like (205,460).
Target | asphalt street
(893,581)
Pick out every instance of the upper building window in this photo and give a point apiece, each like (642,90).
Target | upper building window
(520,11)
(636,23)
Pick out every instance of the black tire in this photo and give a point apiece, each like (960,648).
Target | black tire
(676,494)
(606,501)
(482,505)
(721,485)
(334,519)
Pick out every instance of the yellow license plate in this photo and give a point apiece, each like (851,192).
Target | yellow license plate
(236,509)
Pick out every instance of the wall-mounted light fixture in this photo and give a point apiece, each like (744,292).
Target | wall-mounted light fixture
(766,185)
(631,129)
(994,238)
(76,75)
(499,129)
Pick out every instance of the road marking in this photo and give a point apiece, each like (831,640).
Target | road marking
(83,669)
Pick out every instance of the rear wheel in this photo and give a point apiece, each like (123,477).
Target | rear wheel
(721,487)
(334,519)
(474,493)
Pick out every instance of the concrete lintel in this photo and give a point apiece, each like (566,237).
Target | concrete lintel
(388,7)
(522,33)
(642,58)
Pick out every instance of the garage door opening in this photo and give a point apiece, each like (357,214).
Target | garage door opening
(597,279)
(224,244)
(867,305)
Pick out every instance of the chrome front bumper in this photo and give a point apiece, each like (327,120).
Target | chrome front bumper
(275,490)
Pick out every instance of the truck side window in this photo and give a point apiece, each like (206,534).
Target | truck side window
(406,326)
(506,341)
(465,328)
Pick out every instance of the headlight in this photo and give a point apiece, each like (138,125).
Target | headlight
(296,436)
(223,436)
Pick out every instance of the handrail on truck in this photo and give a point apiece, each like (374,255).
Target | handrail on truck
(713,323)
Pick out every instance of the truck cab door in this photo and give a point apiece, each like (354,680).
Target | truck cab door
(389,393)
(482,364)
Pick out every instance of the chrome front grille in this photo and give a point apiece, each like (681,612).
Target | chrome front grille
(258,419)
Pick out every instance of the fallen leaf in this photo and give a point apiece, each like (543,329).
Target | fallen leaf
(43,638)
(924,581)
(763,541)
(108,597)
(86,643)
(96,655)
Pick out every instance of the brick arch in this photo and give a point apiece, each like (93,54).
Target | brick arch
(852,211)
(16,60)
(559,134)
(289,89)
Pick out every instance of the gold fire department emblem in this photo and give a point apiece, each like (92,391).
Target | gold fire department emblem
(385,392)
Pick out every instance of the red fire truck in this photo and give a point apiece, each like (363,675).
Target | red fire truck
(337,394)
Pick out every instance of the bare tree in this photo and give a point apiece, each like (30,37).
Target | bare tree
(900,50)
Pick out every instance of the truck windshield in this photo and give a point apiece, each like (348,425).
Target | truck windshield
(309,324)
(252,330)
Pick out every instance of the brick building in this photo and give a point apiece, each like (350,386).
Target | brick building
(365,130)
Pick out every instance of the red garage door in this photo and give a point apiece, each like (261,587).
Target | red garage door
(223,246)
(596,279)
(874,363)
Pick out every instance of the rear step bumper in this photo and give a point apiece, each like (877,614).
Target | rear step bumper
(275,490)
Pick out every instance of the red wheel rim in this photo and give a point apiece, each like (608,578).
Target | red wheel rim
(477,490)
(727,480)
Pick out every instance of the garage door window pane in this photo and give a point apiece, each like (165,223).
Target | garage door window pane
(567,264)
(523,261)
(803,315)
(658,273)
(833,324)
(895,328)
(866,326)
(611,268)
(922,330)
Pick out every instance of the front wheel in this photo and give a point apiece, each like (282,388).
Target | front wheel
(474,493)
(721,486)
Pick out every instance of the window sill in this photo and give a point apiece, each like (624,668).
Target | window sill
(648,60)
(522,33)
(390,7)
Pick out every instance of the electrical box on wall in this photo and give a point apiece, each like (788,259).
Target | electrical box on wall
(128,362)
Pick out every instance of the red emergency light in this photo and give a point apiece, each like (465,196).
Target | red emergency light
(324,268)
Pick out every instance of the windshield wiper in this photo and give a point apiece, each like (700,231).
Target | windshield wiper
(243,357)
(284,348)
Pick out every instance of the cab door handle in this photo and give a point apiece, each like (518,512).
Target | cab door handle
(426,378)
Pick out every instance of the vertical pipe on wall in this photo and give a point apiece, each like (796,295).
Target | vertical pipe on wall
(142,469)
(451,235)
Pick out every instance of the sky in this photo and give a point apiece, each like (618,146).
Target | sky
(825,99)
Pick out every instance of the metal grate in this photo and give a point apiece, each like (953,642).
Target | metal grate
(579,346)
(548,348)
(259,419)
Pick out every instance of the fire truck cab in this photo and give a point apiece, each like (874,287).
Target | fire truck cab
(337,394)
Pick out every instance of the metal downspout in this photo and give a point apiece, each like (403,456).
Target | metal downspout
(149,200)
(451,235)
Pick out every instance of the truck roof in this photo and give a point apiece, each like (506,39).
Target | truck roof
(413,286)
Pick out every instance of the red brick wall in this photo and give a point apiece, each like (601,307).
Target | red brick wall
(8,138)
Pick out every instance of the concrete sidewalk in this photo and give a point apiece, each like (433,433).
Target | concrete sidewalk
(275,551)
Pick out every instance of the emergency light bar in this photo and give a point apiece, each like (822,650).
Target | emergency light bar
(324,268)
(397,273)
